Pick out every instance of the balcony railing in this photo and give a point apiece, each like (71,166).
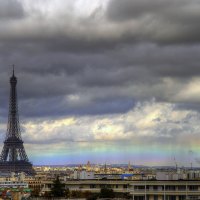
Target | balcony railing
(162,191)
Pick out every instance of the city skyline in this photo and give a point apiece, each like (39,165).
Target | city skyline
(104,81)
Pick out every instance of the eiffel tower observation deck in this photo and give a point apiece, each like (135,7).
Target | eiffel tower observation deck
(13,156)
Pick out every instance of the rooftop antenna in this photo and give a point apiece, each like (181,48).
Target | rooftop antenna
(176,163)
(105,168)
(129,165)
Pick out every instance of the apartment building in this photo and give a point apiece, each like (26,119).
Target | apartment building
(139,190)
(165,190)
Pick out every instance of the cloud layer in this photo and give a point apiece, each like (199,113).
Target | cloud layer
(97,62)
(150,126)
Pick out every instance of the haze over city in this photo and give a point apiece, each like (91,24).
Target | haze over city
(107,81)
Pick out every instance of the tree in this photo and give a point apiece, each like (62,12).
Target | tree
(107,193)
(67,193)
(93,196)
(35,192)
(58,189)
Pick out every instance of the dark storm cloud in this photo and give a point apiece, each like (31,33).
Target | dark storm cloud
(164,22)
(11,9)
(130,9)
(99,80)
(161,22)
(181,11)
(162,61)
(55,107)
(93,65)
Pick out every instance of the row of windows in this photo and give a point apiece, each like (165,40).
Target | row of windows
(167,197)
(168,187)
(108,186)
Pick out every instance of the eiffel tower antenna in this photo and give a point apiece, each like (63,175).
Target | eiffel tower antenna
(13,156)
(13,70)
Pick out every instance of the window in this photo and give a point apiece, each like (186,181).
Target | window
(182,197)
(182,187)
(193,197)
(173,197)
(193,187)
(92,186)
(155,197)
(136,187)
(170,187)
(125,186)
(155,187)
(139,198)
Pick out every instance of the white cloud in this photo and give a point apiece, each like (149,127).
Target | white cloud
(147,119)
(190,91)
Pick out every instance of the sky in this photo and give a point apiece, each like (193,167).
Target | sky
(105,81)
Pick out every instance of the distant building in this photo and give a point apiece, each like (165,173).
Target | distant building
(83,175)
(139,190)
(88,166)
(165,176)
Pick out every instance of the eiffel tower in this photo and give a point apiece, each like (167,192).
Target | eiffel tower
(13,156)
